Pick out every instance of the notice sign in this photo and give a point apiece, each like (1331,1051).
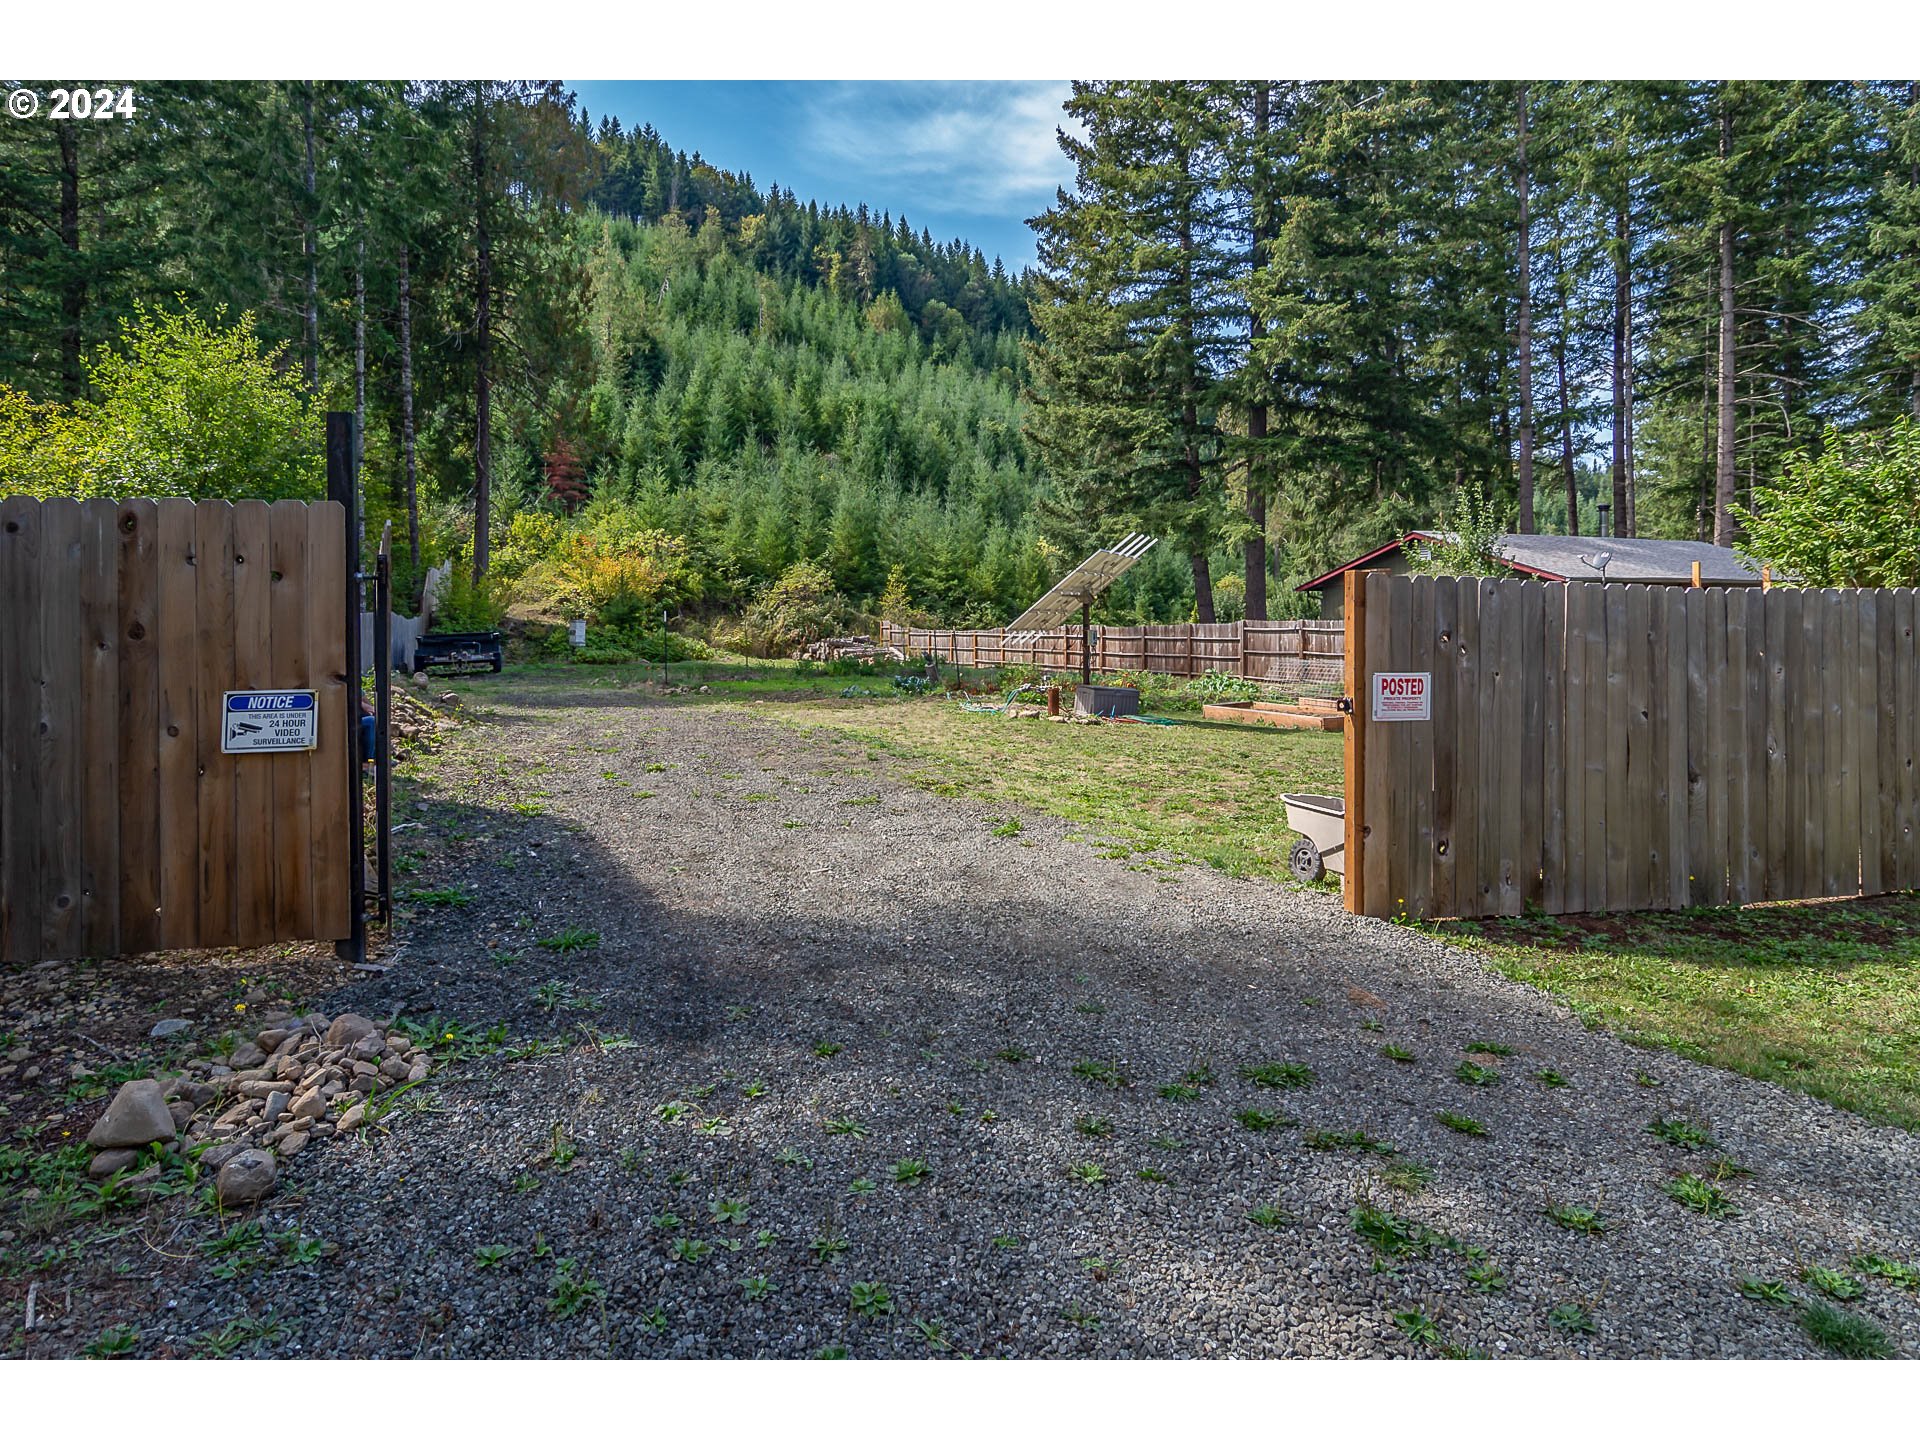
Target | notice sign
(1402,696)
(268,720)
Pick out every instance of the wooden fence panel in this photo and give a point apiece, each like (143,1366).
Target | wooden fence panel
(123,827)
(137,524)
(1615,747)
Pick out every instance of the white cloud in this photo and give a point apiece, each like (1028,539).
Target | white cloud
(985,144)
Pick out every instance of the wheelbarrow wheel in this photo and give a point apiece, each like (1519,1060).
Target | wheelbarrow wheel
(1305,862)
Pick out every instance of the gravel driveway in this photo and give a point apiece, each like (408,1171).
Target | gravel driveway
(807,973)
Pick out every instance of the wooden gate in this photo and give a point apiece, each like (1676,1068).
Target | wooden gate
(123,826)
(1629,747)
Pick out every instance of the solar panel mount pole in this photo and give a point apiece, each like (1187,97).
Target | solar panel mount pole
(1086,640)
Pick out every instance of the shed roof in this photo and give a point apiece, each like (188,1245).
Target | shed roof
(1573,557)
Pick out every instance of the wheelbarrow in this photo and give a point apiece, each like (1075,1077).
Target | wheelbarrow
(1321,821)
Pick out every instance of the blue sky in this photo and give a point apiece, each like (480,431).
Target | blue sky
(971,159)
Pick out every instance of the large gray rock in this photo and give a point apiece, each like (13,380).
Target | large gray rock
(137,1116)
(349,1029)
(165,1028)
(246,1178)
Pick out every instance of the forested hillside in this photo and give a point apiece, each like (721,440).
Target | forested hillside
(1274,324)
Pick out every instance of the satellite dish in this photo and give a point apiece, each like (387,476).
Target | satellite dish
(1598,561)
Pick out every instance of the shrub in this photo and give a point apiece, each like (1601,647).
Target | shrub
(797,609)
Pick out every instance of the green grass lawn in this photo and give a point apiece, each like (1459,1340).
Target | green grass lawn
(1822,997)
(1195,791)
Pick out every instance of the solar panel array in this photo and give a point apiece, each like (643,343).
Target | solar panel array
(1090,579)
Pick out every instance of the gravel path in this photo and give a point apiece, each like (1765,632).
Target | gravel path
(763,896)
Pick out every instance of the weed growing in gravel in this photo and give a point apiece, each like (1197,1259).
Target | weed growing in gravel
(551,995)
(112,1342)
(1166,1142)
(629,1160)
(1398,1053)
(1078,1315)
(1551,1079)
(1487,1277)
(672,1111)
(1264,1119)
(448,895)
(756,1287)
(753,1089)
(1462,1124)
(1469,1073)
(570,939)
(910,1172)
(827,1247)
(791,1156)
(1770,1292)
(1907,1277)
(1269,1217)
(562,1150)
(1282,1075)
(542,1248)
(572,1289)
(831,1352)
(1181,1094)
(229,1338)
(765,1239)
(1418,1327)
(1090,1007)
(1006,829)
(1099,1127)
(488,1256)
(1101,1072)
(932,1334)
(1852,1337)
(861,1186)
(827,1049)
(1645,1081)
(678,1178)
(870,1298)
(1012,1054)
(1836,1284)
(1688,1135)
(728,1212)
(1408,1177)
(1571,1318)
(1582,1219)
(1372,1026)
(1697,1194)
(525,1183)
(1153,1176)
(1487,1047)
(691,1250)
(844,1125)
(1006,1242)
(1346,1140)
(1201,1075)
(1395,1237)
(1088,1173)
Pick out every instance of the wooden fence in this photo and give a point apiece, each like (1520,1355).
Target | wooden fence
(1306,653)
(1630,747)
(123,828)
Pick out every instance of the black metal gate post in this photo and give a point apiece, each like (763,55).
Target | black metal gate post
(343,485)
(383,713)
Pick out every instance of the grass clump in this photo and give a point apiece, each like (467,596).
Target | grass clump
(1851,1337)
(1346,1140)
(1281,1075)
(1685,1133)
(1461,1124)
(1263,1119)
(1700,1195)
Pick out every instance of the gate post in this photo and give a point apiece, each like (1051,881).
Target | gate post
(343,485)
(1355,619)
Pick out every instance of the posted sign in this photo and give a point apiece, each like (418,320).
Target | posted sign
(1402,696)
(268,720)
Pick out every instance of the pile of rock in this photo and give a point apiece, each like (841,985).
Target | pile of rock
(302,1079)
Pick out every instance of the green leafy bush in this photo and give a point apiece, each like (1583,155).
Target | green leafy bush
(800,607)
(181,406)
(1844,516)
